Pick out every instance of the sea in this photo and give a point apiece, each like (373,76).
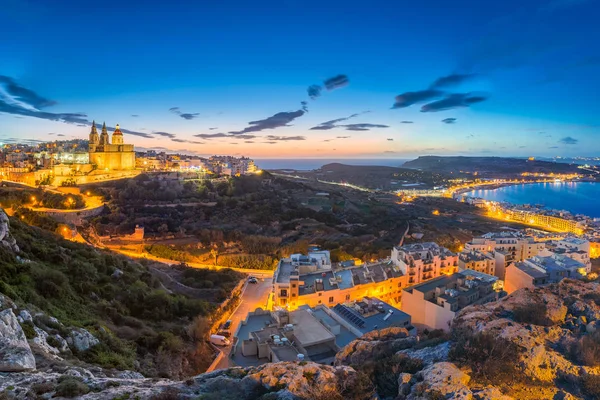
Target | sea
(308,164)
(576,197)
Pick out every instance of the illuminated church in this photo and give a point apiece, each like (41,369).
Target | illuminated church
(110,156)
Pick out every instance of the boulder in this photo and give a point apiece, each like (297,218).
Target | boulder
(405,381)
(429,355)
(81,339)
(15,353)
(6,240)
(374,345)
(24,316)
(447,379)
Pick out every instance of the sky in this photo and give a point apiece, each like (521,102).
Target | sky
(293,79)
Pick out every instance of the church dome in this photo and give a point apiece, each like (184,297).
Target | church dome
(117,131)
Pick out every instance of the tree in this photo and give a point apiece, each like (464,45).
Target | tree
(214,252)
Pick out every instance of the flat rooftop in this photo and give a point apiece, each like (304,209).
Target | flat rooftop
(341,339)
(308,330)
(374,320)
(310,282)
(284,271)
(529,270)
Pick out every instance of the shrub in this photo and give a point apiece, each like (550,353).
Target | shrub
(586,350)
(71,387)
(533,313)
(591,385)
(168,394)
(28,329)
(42,387)
(384,371)
(489,356)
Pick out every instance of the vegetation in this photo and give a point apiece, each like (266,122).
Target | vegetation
(586,350)
(16,198)
(490,357)
(132,315)
(532,313)
(591,386)
(69,386)
(383,371)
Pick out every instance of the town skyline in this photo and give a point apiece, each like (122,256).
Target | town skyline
(384,81)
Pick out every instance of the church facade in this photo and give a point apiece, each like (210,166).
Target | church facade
(109,156)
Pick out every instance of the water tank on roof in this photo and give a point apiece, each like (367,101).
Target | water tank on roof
(277,342)
(275,337)
(288,327)
(300,357)
(285,340)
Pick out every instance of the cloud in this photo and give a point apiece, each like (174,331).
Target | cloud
(314,91)
(406,122)
(568,140)
(60,134)
(304,105)
(553,147)
(409,98)
(17,100)
(451,80)
(330,84)
(134,115)
(272,138)
(212,135)
(449,120)
(248,141)
(343,137)
(324,126)
(522,147)
(23,95)
(188,116)
(51,133)
(336,82)
(389,152)
(363,127)
(278,120)
(390,139)
(212,129)
(452,101)
(186,141)
(165,134)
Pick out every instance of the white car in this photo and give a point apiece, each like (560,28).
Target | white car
(252,280)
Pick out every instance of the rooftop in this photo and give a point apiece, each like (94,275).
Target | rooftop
(284,271)
(529,270)
(308,330)
(372,314)
(474,256)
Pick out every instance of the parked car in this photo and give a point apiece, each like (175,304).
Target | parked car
(219,340)
(227,324)
(226,333)
(252,280)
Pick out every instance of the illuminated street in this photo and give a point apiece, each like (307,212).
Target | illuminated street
(254,296)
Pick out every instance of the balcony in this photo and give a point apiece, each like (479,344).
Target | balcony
(427,269)
(411,280)
(412,273)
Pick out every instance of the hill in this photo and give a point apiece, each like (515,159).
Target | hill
(488,166)
(77,292)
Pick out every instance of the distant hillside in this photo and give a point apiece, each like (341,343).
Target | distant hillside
(487,165)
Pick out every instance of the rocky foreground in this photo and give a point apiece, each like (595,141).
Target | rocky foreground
(553,332)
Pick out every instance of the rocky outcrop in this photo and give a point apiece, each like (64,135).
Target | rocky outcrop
(374,345)
(6,240)
(444,380)
(81,339)
(15,353)
(542,341)
(289,380)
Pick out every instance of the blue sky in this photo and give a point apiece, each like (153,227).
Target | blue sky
(230,77)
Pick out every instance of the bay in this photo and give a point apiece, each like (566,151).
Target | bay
(576,197)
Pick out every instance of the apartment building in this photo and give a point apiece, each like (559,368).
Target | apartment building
(477,261)
(310,280)
(433,304)
(506,247)
(424,261)
(542,270)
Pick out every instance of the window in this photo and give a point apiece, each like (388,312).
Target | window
(331,299)
(320,302)
(293,285)
(320,294)
(400,284)
(293,294)
(347,297)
